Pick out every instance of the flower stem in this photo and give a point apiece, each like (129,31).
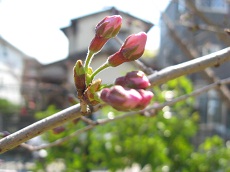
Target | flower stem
(102,67)
(88,60)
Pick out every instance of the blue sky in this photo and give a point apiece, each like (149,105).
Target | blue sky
(33,26)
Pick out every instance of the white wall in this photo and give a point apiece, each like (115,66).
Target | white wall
(11,69)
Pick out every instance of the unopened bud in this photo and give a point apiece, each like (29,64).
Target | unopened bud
(131,50)
(134,79)
(58,130)
(79,77)
(146,99)
(120,98)
(106,29)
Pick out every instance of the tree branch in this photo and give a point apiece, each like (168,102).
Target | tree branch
(33,130)
(73,112)
(190,67)
(153,109)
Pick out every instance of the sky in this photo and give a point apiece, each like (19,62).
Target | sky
(33,26)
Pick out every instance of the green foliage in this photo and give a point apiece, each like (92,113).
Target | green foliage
(163,141)
(7,107)
(49,111)
(212,155)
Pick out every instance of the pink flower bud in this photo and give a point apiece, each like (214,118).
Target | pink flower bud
(134,79)
(109,26)
(131,50)
(106,29)
(146,98)
(120,98)
(4,134)
(120,81)
(58,130)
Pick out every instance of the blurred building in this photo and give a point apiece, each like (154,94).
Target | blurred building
(198,26)
(15,66)
(17,72)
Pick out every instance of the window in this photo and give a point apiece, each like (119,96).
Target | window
(216,6)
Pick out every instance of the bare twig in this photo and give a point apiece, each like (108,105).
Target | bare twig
(21,136)
(202,27)
(208,72)
(223,36)
(88,121)
(153,109)
(190,67)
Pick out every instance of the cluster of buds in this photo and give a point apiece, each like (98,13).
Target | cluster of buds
(129,92)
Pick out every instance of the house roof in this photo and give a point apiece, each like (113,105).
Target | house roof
(12,47)
(5,42)
(113,11)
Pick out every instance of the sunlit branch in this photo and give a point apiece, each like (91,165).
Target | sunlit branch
(153,109)
(73,112)
(189,67)
(37,128)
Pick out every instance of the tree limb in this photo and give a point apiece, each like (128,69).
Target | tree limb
(190,67)
(37,128)
(73,112)
(153,109)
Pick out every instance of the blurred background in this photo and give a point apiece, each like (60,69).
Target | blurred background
(40,41)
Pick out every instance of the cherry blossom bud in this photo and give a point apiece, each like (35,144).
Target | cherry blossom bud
(106,29)
(134,79)
(120,81)
(146,98)
(58,130)
(4,134)
(120,98)
(131,50)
